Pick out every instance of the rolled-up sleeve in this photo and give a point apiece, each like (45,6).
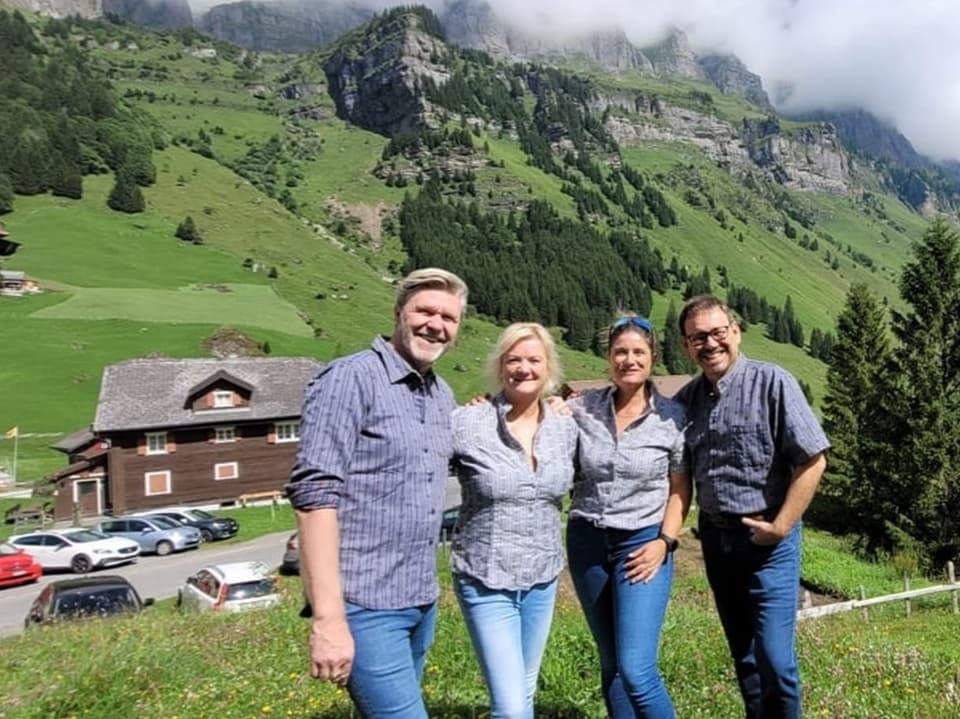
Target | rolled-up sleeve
(329,427)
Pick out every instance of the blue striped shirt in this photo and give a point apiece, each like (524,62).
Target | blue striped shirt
(746,437)
(508,533)
(624,479)
(375,444)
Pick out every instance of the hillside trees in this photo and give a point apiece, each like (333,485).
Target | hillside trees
(893,416)
(125,196)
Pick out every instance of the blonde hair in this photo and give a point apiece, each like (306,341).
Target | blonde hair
(518,332)
(430,278)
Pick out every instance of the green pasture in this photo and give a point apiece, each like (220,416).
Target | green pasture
(198,304)
(254,664)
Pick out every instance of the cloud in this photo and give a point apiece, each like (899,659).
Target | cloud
(898,59)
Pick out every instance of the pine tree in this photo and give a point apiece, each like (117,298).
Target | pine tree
(845,500)
(188,232)
(6,194)
(125,196)
(671,348)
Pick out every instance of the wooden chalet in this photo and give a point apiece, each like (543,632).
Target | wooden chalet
(184,431)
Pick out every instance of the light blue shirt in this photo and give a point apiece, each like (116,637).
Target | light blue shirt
(624,480)
(508,532)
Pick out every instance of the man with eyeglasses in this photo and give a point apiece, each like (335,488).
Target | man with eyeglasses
(756,454)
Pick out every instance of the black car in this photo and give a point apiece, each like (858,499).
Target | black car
(210,525)
(85,598)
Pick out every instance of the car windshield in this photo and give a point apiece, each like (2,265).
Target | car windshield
(7,549)
(200,514)
(95,601)
(84,535)
(249,590)
(164,522)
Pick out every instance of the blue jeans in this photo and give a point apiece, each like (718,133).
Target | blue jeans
(509,630)
(625,618)
(756,590)
(390,650)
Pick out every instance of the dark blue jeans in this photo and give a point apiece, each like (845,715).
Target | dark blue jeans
(625,619)
(390,652)
(756,591)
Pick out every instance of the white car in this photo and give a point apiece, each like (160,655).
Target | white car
(231,587)
(77,549)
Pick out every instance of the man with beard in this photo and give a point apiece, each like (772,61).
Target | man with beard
(368,486)
(756,455)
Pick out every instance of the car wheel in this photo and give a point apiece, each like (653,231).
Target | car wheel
(81,564)
(206,535)
(164,548)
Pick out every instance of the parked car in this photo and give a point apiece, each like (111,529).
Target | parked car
(155,534)
(77,549)
(85,598)
(231,587)
(210,525)
(16,566)
(290,564)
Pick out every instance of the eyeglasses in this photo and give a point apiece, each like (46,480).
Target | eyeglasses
(699,339)
(631,321)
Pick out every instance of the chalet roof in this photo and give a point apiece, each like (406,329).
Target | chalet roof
(220,374)
(666,384)
(13,275)
(151,393)
(75,440)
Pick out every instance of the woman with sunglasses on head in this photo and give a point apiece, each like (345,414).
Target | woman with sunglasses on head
(514,459)
(629,502)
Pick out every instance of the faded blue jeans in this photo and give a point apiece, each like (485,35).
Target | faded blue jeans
(625,618)
(509,629)
(390,648)
(756,590)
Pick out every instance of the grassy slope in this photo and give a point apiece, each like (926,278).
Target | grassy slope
(253,665)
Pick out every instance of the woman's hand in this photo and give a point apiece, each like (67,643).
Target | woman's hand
(643,564)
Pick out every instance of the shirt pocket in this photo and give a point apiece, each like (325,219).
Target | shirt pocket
(751,445)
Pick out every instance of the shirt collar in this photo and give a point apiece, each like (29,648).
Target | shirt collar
(398,369)
(728,376)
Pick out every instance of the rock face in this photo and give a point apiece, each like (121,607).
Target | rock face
(674,56)
(59,8)
(162,14)
(375,79)
(733,78)
(292,26)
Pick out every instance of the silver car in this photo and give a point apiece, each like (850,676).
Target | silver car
(153,534)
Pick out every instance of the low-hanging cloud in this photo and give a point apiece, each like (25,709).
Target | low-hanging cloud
(898,59)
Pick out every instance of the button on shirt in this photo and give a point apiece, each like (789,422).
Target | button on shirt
(623,481)
(375,444)
(747,436)
(508,532)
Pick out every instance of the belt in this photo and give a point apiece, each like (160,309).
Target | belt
(729,520)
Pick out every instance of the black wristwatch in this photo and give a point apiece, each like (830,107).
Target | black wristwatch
(671,542)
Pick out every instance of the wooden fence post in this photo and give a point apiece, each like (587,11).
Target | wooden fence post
(953,580)
(863,595)
(906,588)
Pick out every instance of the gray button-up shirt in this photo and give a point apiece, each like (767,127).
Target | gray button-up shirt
(508,533)
(624,481)
(747,436)
(375,444)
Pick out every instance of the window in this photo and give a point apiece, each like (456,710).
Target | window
(156,442)
(288,431)
(224,434)
(226,470)
(156,483)
(222,398)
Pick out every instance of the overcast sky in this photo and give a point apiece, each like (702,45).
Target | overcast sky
(899,59)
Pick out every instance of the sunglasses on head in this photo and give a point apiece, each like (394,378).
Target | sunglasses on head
(632,321)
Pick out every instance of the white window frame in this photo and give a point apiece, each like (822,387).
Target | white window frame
(146,482)
(224,435)
(221,465)
(281,429)
(153,439)
(222,399)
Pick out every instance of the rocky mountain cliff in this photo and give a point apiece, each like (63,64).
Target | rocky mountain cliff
(149,13)
(282,26)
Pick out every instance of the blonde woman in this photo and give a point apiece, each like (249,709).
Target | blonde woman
(515,462)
